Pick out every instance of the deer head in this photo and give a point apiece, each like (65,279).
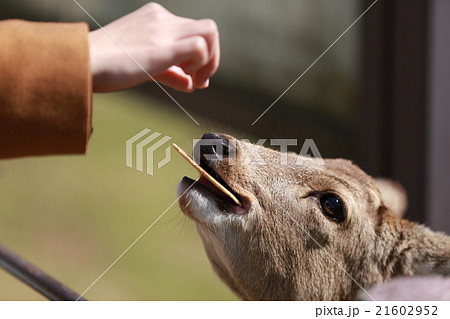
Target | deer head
(307,230)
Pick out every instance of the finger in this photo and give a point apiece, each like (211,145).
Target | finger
(187,28)
(202,76)
(203,85)
(211,35)
(175,78)
(190,54)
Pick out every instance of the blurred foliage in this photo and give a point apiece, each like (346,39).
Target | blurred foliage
(72,216)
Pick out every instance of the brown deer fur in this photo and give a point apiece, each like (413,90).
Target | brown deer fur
(283,247)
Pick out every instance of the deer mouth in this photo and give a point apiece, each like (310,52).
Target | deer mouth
(211,185)
(223,202)
(212,192)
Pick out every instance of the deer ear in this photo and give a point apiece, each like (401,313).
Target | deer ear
(393,195)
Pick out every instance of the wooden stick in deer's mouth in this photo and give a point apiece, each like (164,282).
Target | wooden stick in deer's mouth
(206,174)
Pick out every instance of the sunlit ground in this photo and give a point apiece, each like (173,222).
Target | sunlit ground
(74,215)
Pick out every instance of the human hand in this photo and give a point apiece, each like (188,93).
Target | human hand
(179,52)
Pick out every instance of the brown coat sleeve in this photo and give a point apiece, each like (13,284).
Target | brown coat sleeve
(45,88)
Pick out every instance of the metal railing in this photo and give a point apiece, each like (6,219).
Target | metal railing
(35,278)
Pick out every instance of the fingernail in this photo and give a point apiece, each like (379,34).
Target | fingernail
(205,84)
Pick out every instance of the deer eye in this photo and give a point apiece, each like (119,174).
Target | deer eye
(333,207)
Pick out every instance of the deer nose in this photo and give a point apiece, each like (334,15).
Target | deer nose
(216,147)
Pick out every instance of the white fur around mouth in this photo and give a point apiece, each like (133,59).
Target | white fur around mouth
(204,202)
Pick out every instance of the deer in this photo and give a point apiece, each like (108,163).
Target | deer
(303,229)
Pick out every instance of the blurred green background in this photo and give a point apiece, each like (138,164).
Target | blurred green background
(74,215)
